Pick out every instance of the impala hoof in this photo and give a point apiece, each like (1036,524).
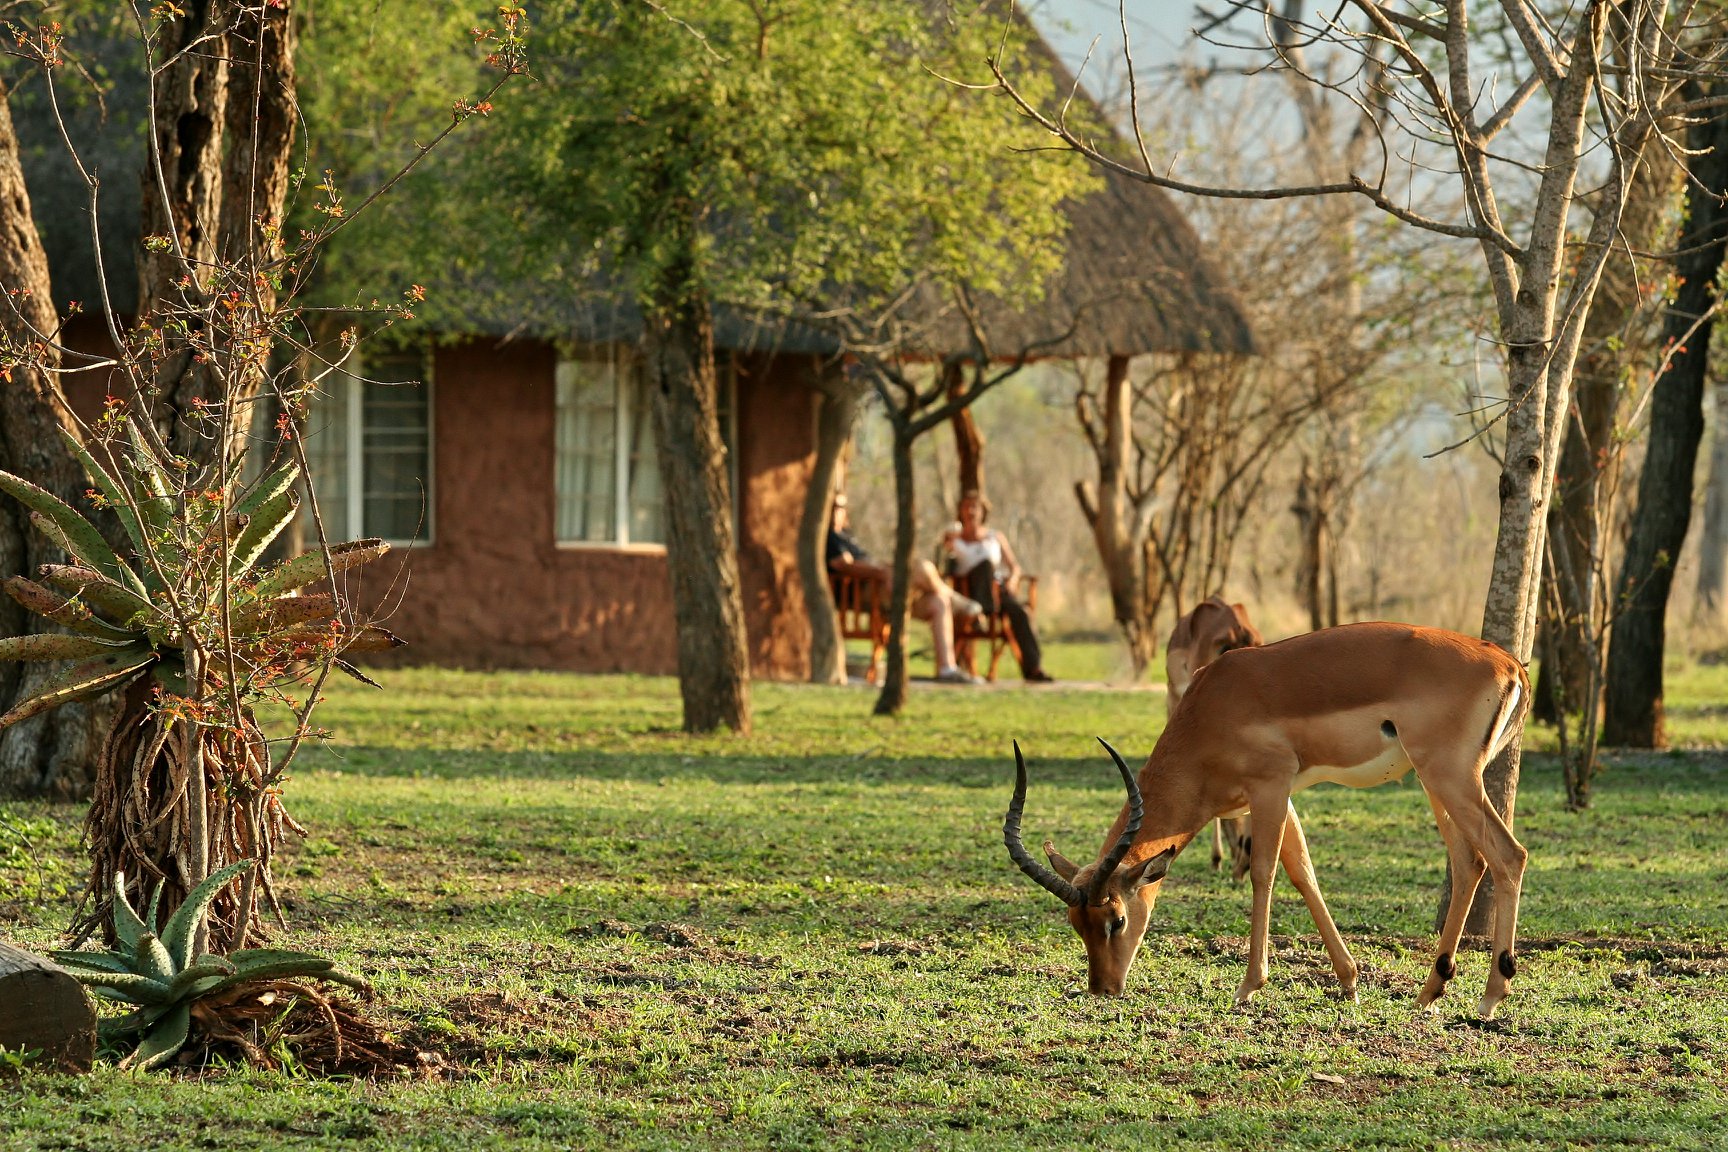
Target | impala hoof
(1485,1008)
(1347,993)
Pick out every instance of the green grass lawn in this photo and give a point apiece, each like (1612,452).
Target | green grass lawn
(621,937)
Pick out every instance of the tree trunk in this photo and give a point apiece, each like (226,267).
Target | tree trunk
(1540,358)
(1109,510)
(836,416)
(968,440)
(1633,715)
(260,116)
(51,754)
(892,698)
(1311,531)
(1590,459)
(223,132)
(713,660)
(1710,608)
(182,210)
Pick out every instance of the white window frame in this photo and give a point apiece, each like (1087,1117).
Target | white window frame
(352,396)
(726,380)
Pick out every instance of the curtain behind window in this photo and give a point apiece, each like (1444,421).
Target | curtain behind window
(586,441)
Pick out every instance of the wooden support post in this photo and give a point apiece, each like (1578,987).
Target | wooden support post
(43,1008)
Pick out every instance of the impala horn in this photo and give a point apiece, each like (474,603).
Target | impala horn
(1136,810)
(1046,879)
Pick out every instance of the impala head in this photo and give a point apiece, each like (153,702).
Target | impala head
(1220,627)
(1108,905)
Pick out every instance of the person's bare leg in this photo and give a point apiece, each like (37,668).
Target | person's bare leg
(934,610)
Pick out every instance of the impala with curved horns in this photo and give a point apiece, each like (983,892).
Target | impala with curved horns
(1359,705)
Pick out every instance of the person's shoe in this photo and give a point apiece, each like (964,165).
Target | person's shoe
(966,606)
(1040,677)
(955,676)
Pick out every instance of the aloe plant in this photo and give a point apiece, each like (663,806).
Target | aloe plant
(157,972)
(190,628)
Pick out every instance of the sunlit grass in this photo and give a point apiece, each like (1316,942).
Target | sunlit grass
(622,937)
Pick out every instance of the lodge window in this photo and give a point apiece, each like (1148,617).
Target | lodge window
(608,472)
(369,441)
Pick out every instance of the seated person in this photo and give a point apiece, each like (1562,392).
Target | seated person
(986,567)
(931,599)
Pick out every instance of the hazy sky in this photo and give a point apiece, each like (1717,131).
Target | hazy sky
(1159,29)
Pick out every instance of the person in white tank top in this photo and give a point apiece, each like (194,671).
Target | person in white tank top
(990,573)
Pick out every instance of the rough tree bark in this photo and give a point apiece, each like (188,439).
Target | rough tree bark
(1117,527)
(223,138)
(892,698)
(968,439)
(713,661)
(51,754)
(1540,358)
(1710,607)
(1590,460)
(1633,713)
(836,416)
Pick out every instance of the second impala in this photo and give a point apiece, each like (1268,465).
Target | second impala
(1359,705)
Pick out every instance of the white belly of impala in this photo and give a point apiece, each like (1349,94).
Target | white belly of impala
(1383,769)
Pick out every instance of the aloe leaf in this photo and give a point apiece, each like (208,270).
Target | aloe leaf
(129,986)
(265,525)
(283,612)
(54,646)
(268,489)
(91,961)
(171,675)
(67,613)
(166,1037)
(83,681)
(111,1026)
(357,674)
(127,927)
(155,903)
(80,536)
(153,958)
(373,638)
(319,969)
(250,962)
(309,567)
(116,604)
(209,968)
(183,925)
(114,494)
(150,467)
(255,964)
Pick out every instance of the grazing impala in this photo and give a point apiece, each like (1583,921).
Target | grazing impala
(1359,705)
(1200,637)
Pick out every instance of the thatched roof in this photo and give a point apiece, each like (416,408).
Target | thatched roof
(1135,279)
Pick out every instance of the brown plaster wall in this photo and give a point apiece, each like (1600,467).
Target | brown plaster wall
(494,590)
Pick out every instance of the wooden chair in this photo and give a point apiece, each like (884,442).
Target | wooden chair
(990,628)
(862,602)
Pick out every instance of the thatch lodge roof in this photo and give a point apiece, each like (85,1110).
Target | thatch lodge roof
(1135,278)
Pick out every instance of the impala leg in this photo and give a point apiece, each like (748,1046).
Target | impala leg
(1217,844)
(1475,819)
(1467,869)
(1301,872)
(1266,819)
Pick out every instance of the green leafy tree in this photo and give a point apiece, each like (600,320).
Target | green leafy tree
(764,156)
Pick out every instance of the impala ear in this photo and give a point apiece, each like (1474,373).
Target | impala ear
(1064,867)
(1151,869)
